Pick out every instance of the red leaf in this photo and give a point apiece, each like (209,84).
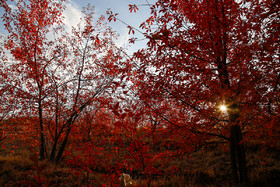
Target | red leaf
(133,8)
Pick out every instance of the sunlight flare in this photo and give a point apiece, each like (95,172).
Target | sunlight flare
(223,108)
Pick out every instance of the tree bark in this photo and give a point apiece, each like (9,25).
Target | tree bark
(42,135)
(241,160)
(53,150)
(233,156)
(63,145)
(238,158)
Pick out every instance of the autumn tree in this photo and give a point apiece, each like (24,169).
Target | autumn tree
(28,25)
(204,54)
(59,73)
(95,66)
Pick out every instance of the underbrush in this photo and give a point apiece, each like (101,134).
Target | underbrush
(206,167)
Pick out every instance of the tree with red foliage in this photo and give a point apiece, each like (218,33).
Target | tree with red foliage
(28,26)
(119,139)
(94,64)
(204,54)
(56,77)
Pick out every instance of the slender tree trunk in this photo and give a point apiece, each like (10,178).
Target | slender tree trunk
(56,136)
(42,135)
(53,150)
(63,145)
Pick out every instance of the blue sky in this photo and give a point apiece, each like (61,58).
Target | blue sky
(121,7)
(73,13)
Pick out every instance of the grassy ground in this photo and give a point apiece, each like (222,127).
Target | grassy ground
(207,167)
(22,169)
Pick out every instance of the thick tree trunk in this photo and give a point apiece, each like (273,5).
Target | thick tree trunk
(233,157)
(238,159)
(240,154)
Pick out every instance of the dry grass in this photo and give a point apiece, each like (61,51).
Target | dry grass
(14,167)
(207,167)
(21,169)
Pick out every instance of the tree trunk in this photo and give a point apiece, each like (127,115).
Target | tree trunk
(63,145)
(42,135)
(56,136)
(53,150)
(233,157)
(240,155)
(238,159)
